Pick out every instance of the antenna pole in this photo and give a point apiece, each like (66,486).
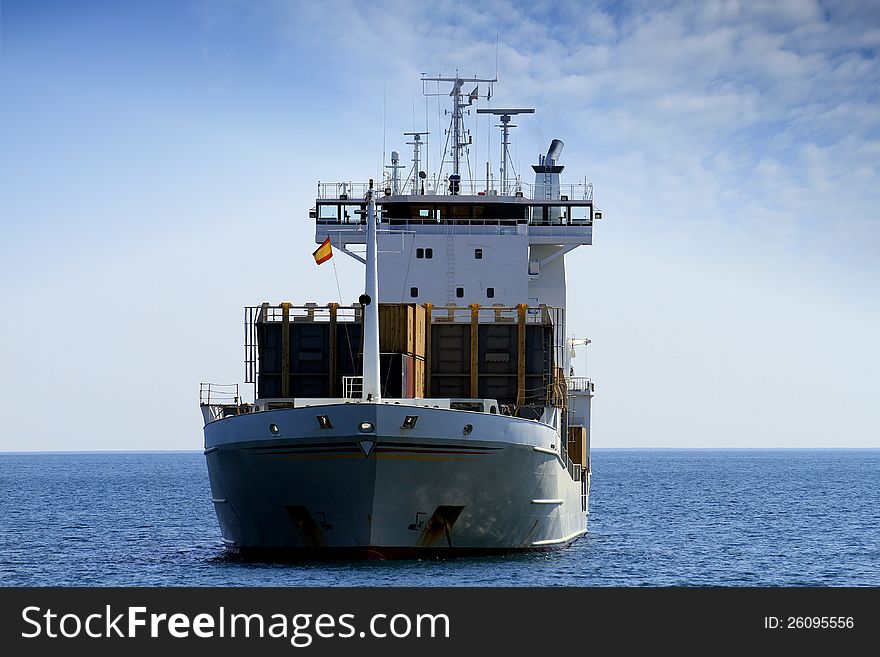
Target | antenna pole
(417,144)
(456,125)
(457,114)
(505,126)
(395,167)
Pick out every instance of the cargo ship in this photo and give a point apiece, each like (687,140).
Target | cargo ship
(439,414)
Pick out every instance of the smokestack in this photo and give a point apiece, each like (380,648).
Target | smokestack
(554,152)
(547,173)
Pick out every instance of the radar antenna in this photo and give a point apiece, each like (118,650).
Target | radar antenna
(505,126)
(395,167)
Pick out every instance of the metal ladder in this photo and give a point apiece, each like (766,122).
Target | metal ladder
(450,263)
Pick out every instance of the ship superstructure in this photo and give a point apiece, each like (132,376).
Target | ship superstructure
(439,413)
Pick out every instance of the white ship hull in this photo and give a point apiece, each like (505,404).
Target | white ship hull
(281,483)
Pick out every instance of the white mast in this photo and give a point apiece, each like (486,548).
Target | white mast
(505,126)
(416,143)
(371,389)
(395,167)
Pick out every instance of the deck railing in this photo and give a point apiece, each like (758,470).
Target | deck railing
(219,394)
(358,190)
(579,384)
(352,387)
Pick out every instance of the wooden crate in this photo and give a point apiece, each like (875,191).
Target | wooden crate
(420,327)
(577,445)
(402,328)
(419,369)
(407,376)
(396,328)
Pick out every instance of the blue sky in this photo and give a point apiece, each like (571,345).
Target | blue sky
(158,160)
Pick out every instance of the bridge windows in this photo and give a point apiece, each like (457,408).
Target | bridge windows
(490,292)
(414,292)
(328,213)
(538,212)
(354,214)
(562,215)
(459,212)
(424,253)
(333,213)
(459,292)
(455,213)
(580,215)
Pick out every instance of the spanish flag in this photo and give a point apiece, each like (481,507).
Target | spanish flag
(323,252)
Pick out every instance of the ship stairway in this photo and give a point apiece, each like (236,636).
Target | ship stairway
(450,265)
(548,186)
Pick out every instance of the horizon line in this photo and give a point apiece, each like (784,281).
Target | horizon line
(198,451)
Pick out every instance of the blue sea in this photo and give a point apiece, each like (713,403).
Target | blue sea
(658,518)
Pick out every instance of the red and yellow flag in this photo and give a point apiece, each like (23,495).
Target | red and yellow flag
(323,252)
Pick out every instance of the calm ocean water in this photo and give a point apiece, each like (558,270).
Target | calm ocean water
(658,518)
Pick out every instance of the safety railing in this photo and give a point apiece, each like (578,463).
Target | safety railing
(580,384)
(352,387)
(221,400)
(219,394)
(348,190)
(497,313)
(310,312)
